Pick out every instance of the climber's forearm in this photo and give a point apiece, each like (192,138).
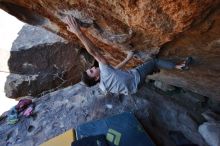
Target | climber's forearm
(122,64)
(91,48)
(74,27)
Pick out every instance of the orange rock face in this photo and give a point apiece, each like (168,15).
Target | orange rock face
(202,42)
(181,28)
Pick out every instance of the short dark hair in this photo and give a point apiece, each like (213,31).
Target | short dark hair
(88,80)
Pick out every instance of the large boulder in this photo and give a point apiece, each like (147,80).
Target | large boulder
(41,61)
(180,28)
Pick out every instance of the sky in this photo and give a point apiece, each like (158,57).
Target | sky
(9,27)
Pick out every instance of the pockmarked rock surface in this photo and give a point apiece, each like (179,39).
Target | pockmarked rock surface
(66,108)
(41,61)
(172,29)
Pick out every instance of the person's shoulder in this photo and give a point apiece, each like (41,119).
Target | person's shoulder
(104,64)
(105,67)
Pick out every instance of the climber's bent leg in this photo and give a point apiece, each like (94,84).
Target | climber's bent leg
(164,64)
(148,67)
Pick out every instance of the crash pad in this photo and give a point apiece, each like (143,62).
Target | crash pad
(120,130)
(64,139)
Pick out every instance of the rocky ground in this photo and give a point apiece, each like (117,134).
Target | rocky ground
(160,112)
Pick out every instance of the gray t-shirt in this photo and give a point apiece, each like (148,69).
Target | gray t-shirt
(118,81)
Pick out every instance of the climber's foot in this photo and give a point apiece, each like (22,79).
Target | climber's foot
(185,64)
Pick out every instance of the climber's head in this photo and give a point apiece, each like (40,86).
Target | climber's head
(91,76)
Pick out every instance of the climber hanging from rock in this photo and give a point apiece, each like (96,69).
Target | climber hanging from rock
(112,79)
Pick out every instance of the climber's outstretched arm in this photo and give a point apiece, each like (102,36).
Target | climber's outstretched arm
(73,26)
(129,56)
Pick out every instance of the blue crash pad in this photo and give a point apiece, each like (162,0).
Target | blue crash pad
(120,130)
